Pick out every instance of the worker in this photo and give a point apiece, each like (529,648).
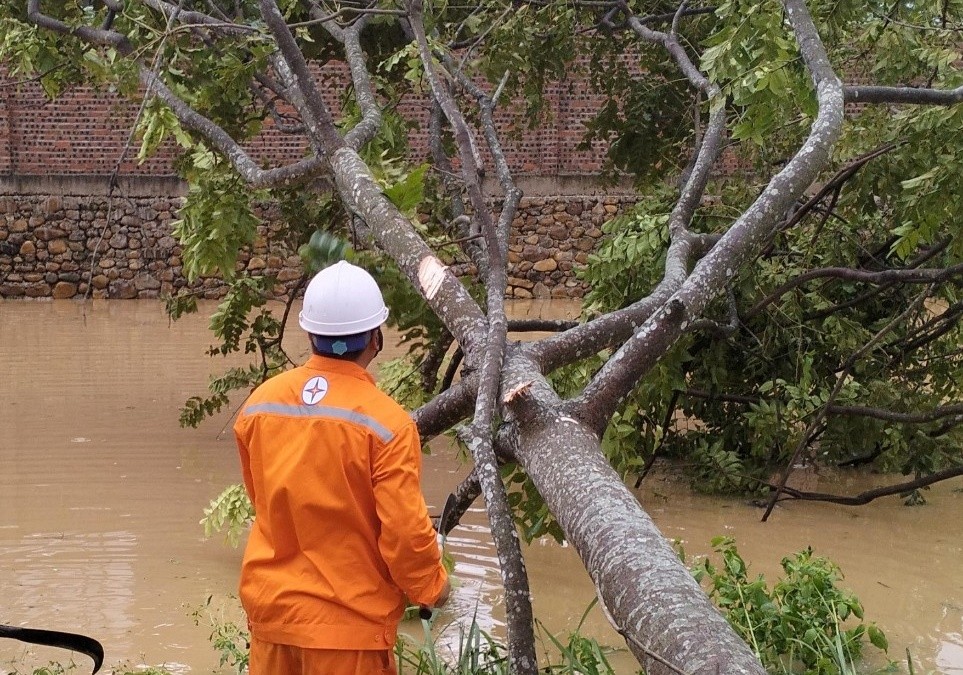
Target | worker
(333,467)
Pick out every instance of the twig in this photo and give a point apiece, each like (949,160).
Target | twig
(35,78)
(666,421)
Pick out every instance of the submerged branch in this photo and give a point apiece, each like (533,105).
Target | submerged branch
(870,495)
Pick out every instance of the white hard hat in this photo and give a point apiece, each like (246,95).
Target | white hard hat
(342,299)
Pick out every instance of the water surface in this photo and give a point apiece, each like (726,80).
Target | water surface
(101,491)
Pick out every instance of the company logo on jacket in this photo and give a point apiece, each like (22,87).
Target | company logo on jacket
(314,390)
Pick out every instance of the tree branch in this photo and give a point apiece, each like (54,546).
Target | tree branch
(918,417)
(906,276)
(350,38)
(746,236)
(479,436)
(540,325)
(931,330)
(447,408)
(615,328)
(863,297)
(710,146)
(471,166)
(892,416)
(433,360)
(86,33)
(903,95)
(474,249)
(245,166)
(321,130)
(870,495)
(447,297)
(193,18)
(832,186)
(716,327)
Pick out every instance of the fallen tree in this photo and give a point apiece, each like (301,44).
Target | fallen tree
(754,73)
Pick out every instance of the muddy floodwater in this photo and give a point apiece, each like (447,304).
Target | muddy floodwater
(101,492)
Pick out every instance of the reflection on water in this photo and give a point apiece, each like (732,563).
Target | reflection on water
(84,567)
(101,491)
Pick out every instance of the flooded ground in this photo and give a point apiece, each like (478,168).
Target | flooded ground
(101,491)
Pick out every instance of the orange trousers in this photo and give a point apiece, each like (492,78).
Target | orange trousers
(268,658)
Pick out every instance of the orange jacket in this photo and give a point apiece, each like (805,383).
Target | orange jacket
(342,533)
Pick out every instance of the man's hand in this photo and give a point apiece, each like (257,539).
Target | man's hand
(425,612)
(445,594)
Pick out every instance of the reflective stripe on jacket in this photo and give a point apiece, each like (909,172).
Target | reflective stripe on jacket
(342,533)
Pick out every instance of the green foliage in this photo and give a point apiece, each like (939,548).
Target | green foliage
(755,60)
(231,512)
(579,654)
(31,53)
(400,378)
(156,124)
(217,219)
(231,319)
(645,121)
(237,327)
(478,653)
(406,62)
(51,669)
(760,386)
(733,405)
(322,250)
(631,256)
(804,624)
(232,642)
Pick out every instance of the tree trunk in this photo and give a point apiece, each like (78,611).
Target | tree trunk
(653,600)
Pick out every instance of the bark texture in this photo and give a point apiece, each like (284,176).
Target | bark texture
(650,597)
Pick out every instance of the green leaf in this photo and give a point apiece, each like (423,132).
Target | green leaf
(877,637)
(409,193)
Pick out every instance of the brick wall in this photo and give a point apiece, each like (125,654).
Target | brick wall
(56,239)
(85,131)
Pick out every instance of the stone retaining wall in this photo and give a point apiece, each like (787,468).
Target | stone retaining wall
(551,238)
(64,247)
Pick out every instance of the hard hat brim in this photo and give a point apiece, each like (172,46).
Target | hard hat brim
(358,326)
